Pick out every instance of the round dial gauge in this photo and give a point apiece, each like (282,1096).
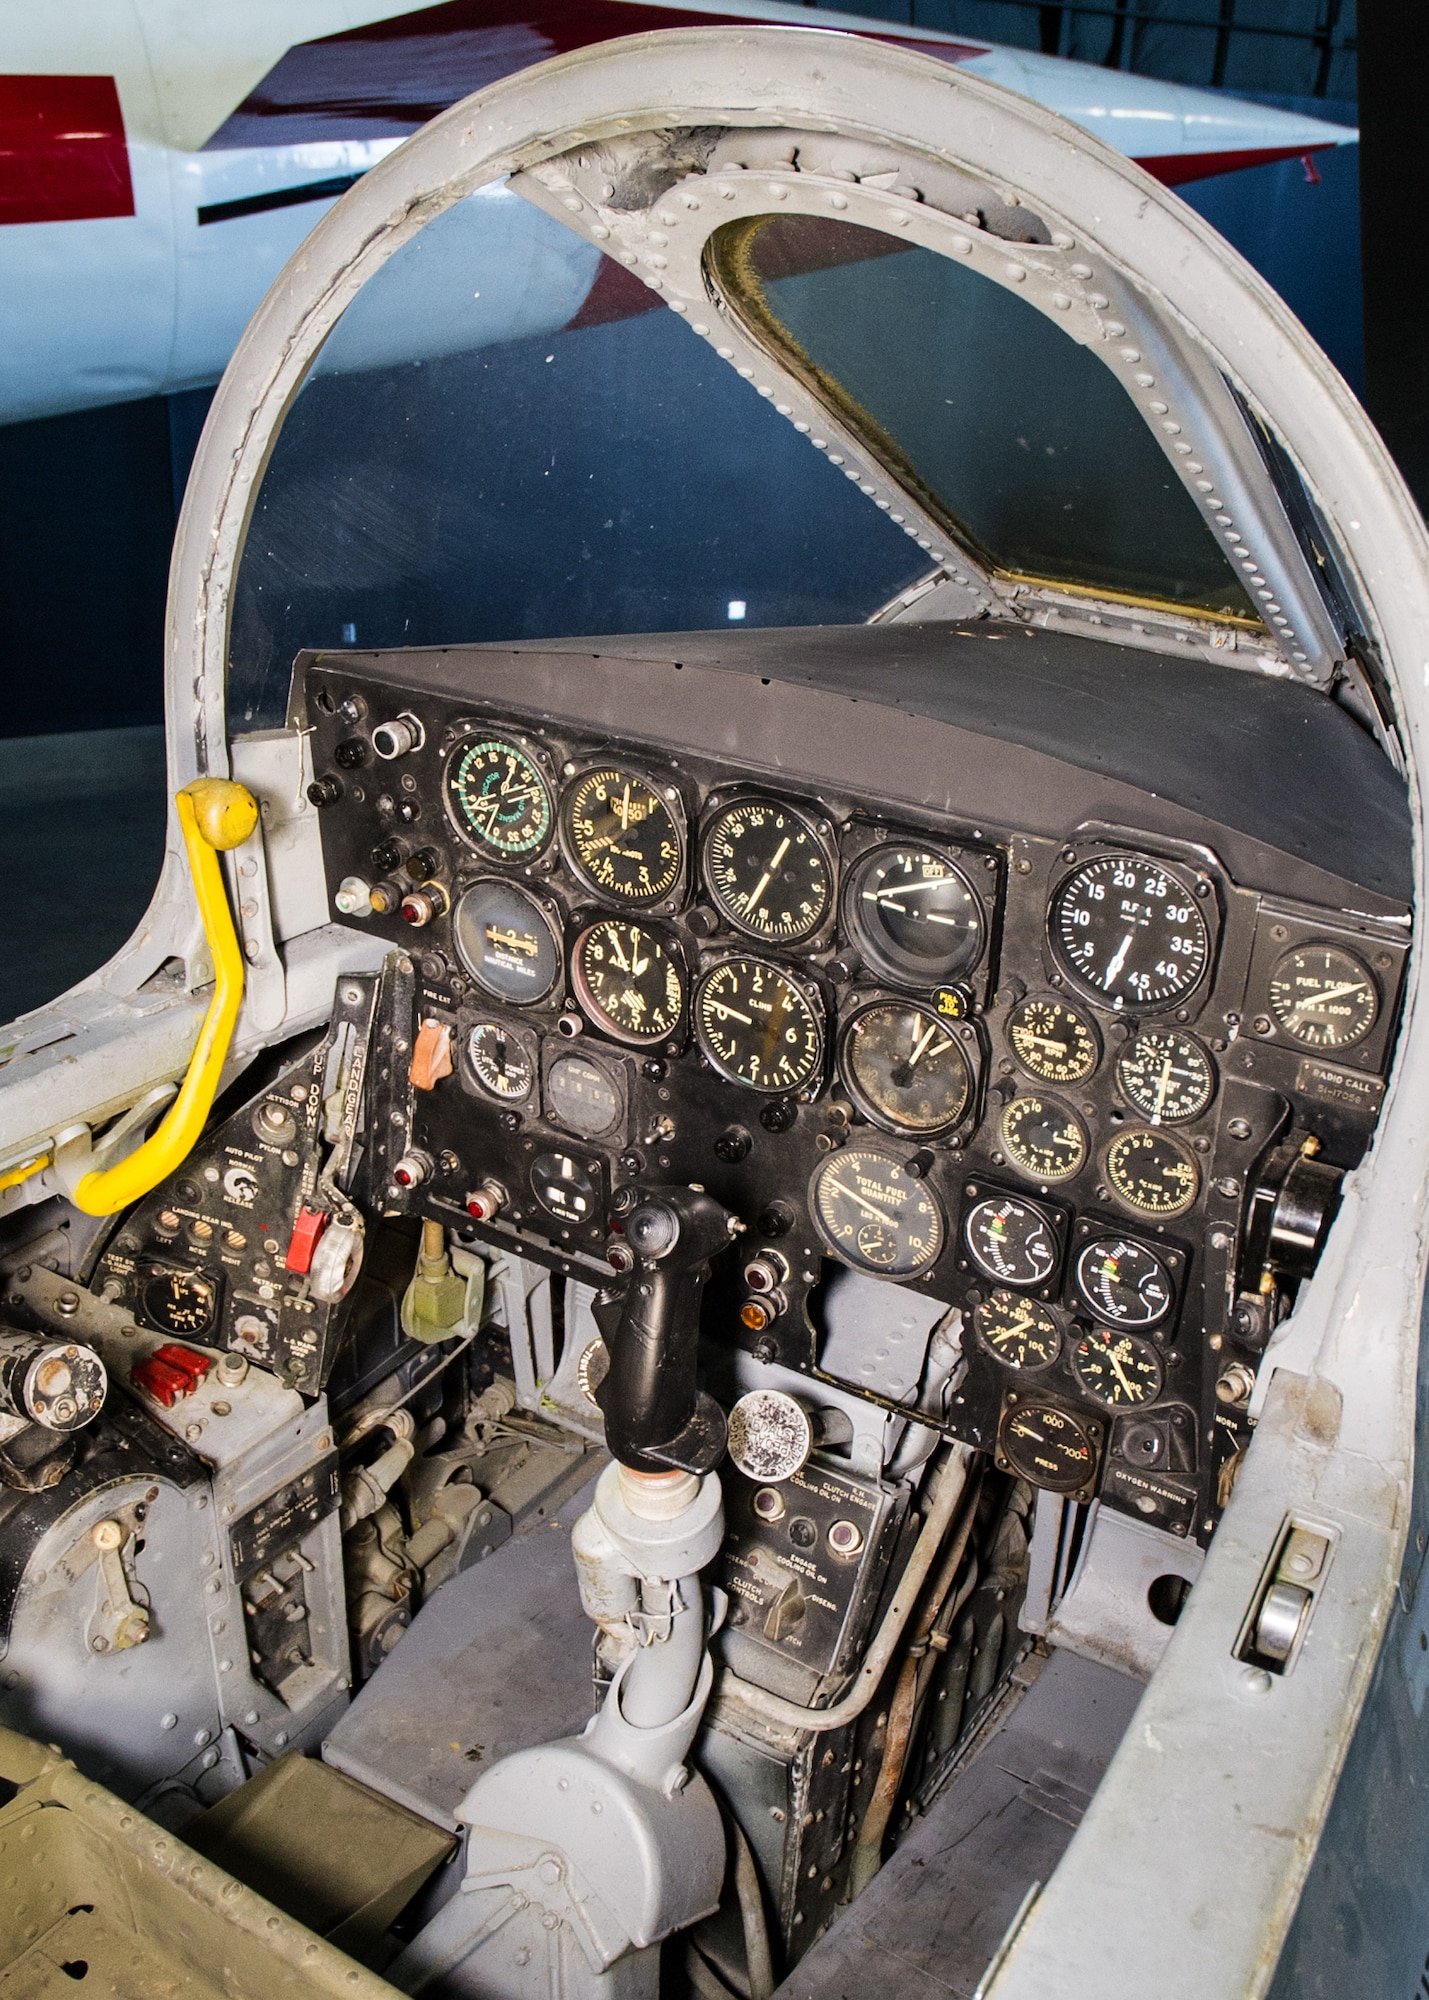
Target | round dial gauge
(1043,1138)
(1124,1282)
(179,1302)
(581,1096)
(904,1067)
(915,915)
(500,1062)
(621,837)
(1323,997)
(1010,1240)
(768,870)
(506,942)
(1166,1076)
(1130,930)
(499,799)
(1048,1447)
(757,1027)
(1152,1173)
(627,982)
(1019,1331)
(1116,1368)
(874,1214)
(1053,1041)
(564,1188)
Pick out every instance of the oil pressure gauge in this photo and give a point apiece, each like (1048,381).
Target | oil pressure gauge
(1117,1368)
(1021,1333)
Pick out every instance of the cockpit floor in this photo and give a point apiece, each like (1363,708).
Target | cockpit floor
(931,1920)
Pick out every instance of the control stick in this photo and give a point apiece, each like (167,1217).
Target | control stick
(656,1415)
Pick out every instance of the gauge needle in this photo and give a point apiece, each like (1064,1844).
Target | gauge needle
(882,1214)
(1118,961)
(1120,1373)
(621,960)
(727,1013)
(1163,1084)
(1329,993)
(1045,1042)
(625,809)
(637,963)
(768,876)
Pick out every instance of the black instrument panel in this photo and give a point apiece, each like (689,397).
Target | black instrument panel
(1037,1079)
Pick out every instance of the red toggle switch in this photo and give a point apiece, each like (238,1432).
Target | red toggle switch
(170,1373)
(307,1229)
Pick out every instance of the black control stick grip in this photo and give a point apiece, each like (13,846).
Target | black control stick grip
(656,1416)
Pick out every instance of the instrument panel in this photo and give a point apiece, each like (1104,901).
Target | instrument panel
(1037,1080)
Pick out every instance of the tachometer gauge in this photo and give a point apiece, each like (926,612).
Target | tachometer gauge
(1152,1173)
(758,1027)
(874,1214)
(1043,1138)
(1010,1240)
(1166,1076)
(1323,997)
(500,1062)
(1018,1331)
(914,914)
(904,1067)
(1053,1041)
(627,982)
(506,942)
(582,1096)
(1047,1447)
(768,870)
(621,837)
(1116,1368)
(499,799)
(1124,1282)
(1130,931)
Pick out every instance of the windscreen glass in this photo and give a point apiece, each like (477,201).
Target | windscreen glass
(1019,440)
(507,436)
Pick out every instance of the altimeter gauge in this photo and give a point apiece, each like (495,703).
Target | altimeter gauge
(758,1027)
(914,914)
(627,981)
(1047,1446)
(1117,1368)
(905,1067)
(1152,1173)
(1021,1333)
(874,1214)
(1166,1076)
(1053,1041)
(1323,997)
(499,799)
(1043,1138)
(1130,931)
(1010,1241)
(1124,1282)
(768,870)
(621,836)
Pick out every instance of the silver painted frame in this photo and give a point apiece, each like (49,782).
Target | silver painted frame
(1186,1870)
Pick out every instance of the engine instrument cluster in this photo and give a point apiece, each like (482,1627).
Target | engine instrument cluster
(1057,1085)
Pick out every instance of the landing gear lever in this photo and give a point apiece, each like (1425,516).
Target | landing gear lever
(656,1415)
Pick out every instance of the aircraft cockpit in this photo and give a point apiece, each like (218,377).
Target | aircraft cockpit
(761,1118)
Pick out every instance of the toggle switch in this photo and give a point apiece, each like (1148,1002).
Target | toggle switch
(431,1055)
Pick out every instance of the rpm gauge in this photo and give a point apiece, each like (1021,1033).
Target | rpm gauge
(1152,1173)
(627,982)
(1021,1333)
(1166,1076)
(621,836)
(904,1067)
(1043,1138)
(1323,997)
(1010,1240)
(1130,931)
(499,799)
(768,870)
(1117,1368)
(1124,1282)
(874,1214)
(757,1027)
(1052,1041)
(915,915)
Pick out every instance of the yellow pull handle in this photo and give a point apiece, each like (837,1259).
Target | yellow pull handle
(214,814)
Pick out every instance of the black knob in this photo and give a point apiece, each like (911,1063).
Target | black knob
(325,791)
(350,754)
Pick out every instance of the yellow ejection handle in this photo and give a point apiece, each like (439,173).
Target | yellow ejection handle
(214,813)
